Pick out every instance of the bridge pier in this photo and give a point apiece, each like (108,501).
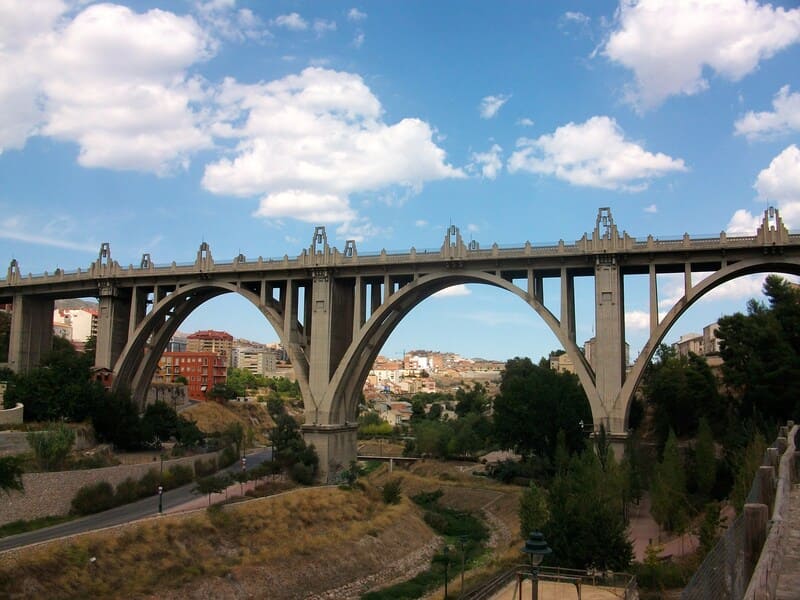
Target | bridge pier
(31,335)
(336,447)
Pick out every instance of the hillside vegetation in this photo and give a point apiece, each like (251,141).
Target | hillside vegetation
(307,542)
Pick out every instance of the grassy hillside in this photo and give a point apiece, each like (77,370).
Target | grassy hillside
(309,541)
(214,417)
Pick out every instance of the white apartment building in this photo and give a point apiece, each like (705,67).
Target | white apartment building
(79,323)
(259,361)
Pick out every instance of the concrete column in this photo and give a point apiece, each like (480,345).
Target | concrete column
(290,311)
(609,351)
(755,533)
(653,298)
(138,309)
(335,445)
(321,334)
(387,287)
(31,335)
(375,296)
(359,306)
(112,327)
(687,278)
(568,303)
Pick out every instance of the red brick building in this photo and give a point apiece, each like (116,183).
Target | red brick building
(203,370)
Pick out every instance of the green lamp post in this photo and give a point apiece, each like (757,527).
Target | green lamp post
(536,548)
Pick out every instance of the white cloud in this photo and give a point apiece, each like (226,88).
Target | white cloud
(358,40)
(421,223)
(322,26)
(360,229)
(222,17)
(292,22)
(671,288)
(525,122)
(356,15)
(743,222)
(593,154)
(764,125)
(637,320)
(668,44)
(488,162)
(473,228)
(453,291)
(309,141)
(490,105)
(113,81)
(651,209)
(576,17)
(780,182)
(54,233)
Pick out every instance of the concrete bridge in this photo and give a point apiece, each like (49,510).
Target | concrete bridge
(333,310)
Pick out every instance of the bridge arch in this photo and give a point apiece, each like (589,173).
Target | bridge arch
(770,264)
(138,361)
(341,399)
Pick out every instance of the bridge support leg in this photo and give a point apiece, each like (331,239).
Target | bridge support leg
(31,335)
(112,328)
(336,447)
(610,359)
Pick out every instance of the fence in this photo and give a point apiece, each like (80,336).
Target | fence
(726,569)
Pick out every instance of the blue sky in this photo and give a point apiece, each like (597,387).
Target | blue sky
(157,125)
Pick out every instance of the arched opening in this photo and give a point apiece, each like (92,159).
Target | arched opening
(138,361)
(342,398)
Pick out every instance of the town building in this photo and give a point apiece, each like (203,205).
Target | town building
(202,371)
(79,323)
(209,340)
(259,361)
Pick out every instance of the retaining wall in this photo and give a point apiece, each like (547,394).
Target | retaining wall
(9,416)
(48,494)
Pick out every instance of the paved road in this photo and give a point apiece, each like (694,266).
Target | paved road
(121,514)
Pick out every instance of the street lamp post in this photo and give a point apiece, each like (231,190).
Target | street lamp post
(446,562)
(160,499)
(536,548)
(244,469)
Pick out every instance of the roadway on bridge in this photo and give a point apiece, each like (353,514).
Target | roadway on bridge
(126,513)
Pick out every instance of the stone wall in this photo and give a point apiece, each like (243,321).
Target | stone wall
(9,416)
(48,494)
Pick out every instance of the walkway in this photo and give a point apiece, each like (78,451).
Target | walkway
(789,579)
(551,590)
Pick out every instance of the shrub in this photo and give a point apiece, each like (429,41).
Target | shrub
(127,491)
(391,491)
(302,474)
(227,457)
(148,484)
(93,498)
(204,468)
(181,475)
(51,447)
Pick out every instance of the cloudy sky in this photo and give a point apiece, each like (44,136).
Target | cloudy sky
(158,125)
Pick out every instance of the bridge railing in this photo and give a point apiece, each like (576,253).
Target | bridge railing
(725,571)
(335,258)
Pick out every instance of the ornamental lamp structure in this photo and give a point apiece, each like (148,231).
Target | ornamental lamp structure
(536,548)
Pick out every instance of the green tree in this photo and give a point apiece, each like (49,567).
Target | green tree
(705,460)
(668,489)
(533,510)
(762,353)
(116,421)
(5,332)
(11,474)
(710,527)
(682,389)
(586,525)
(534,404)
(51,447)
(213,484)
(472,400)
(748,461)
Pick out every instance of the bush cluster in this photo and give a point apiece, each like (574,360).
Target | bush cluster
(97,497)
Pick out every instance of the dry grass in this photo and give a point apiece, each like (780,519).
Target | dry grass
(310,540)
(213,417)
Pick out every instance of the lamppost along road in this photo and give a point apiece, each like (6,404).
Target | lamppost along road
(121,514)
